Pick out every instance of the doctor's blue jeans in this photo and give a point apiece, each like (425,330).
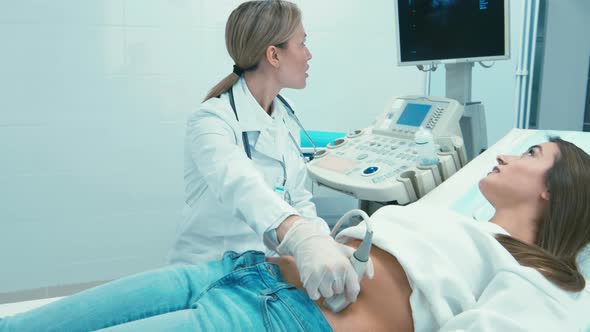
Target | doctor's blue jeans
(241,292)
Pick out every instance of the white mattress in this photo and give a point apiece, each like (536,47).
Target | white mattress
(461,193)
(10,309)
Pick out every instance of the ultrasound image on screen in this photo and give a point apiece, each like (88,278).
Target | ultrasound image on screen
(450,29)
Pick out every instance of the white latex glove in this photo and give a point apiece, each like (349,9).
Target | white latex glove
(323,264)
(348,251)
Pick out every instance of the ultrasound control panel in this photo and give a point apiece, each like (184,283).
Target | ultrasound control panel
(380,162)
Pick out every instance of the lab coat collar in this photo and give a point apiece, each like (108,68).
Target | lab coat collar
(251,115)
(252,118)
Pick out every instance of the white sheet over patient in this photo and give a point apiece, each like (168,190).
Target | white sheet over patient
(462,278)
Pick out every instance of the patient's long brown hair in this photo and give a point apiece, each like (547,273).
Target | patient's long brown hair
(564,227)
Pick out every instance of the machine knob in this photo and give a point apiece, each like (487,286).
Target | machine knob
(371,170)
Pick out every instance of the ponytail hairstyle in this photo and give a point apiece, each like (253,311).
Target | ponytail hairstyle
(251,28)
(564,227)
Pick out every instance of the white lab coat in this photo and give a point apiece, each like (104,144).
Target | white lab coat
(462,279)
(230,199)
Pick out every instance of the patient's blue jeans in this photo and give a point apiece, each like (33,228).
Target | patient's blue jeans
(241,292)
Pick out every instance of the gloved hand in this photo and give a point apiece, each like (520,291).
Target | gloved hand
(348,251)
(323,264)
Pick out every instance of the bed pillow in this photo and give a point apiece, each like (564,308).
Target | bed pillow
(584,262)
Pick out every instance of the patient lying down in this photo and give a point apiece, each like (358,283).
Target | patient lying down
(383,303)
(434,270)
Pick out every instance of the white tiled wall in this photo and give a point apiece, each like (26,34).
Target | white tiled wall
(93,99)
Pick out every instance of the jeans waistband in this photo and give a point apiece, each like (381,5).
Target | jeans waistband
(302,307)
(245,259)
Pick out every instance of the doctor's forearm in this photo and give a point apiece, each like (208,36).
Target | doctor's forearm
(285,225)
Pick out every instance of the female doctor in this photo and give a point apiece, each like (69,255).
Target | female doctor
(244,174)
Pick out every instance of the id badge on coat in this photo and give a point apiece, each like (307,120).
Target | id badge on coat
(283,194)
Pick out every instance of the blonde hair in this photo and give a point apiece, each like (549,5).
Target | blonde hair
(251,28)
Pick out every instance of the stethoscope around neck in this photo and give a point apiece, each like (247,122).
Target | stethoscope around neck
(245,139)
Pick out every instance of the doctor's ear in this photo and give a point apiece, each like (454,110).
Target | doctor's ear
(546,195)
(272,56)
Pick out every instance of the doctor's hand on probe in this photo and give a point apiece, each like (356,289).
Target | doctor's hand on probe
(324,264)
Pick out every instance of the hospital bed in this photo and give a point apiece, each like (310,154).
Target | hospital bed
(10,309)
(459,193)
